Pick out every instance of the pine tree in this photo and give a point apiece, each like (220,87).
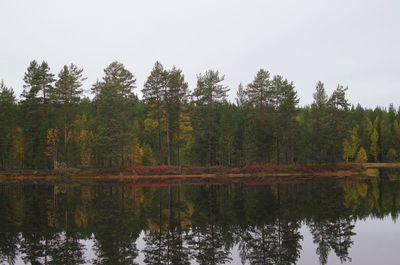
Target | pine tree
(259,95)
(285,109)
(226,132)
(8,123)
(154,95)
(338,107)
(208,93)
(241,98)
(176,100)
(66,95)
(35,112)
(259,92)
(38,82)
(114,101)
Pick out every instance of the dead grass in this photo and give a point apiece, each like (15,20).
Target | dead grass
(376,165)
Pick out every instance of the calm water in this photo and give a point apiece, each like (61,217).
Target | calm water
(349,221)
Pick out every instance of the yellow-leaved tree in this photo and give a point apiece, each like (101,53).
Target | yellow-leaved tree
(347,150)
(83,136)
(374,149)
(52,141)
(362,156)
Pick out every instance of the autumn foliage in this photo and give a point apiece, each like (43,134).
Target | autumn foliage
(272,168)
(259,168)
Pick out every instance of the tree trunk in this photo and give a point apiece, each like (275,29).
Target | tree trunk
(168,147)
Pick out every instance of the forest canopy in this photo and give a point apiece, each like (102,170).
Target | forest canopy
(53,124)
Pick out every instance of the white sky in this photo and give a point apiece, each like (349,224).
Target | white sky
(351,42)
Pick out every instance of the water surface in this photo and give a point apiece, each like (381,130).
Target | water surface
(253,221)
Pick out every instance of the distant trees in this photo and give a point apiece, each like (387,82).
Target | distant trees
(53,125)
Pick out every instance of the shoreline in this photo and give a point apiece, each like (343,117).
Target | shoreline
(281,176)
(196,174)
(381,165)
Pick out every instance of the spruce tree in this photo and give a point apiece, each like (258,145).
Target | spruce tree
(320,124)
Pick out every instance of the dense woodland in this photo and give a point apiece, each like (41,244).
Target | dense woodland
(54,124)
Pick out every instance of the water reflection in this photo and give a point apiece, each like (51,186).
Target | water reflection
(46,223)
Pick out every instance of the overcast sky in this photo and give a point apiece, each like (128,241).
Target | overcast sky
(354,43)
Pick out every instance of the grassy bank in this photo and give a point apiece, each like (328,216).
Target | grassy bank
(380,165)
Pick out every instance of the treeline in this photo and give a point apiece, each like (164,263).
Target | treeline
(54,125)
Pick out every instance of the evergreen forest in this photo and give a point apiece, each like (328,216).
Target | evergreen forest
(55,124)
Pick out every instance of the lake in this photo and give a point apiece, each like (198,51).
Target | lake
(242,221)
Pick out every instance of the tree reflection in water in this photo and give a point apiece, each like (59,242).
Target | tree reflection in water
(45,223)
